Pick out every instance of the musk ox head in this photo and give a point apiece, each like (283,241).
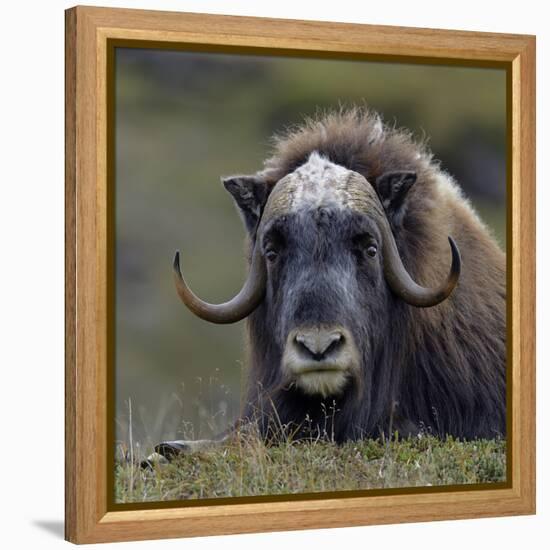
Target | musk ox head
(325,266)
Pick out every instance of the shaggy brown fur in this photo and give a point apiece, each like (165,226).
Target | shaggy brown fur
(450,359)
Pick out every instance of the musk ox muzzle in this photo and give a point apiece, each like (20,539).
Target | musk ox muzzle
(320,359)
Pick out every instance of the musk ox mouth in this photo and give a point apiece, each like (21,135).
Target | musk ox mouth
(320,360)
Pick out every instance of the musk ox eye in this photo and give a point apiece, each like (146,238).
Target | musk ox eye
(364,246)
(371,251)
(273,244)
(271,255)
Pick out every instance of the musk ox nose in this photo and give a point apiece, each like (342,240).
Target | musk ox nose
(318,343)
(320,359)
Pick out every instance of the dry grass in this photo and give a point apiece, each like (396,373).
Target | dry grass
(247,467)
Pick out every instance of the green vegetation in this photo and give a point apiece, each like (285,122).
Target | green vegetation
(247,467)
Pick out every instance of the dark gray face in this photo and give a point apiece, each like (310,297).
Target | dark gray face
(325,284)
(325,294)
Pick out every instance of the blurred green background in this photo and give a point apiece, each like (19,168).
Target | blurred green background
(183,120)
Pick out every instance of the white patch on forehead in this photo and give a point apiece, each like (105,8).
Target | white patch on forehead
(319,182)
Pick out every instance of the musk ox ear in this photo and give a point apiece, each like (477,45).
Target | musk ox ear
(250,194)
(393,187)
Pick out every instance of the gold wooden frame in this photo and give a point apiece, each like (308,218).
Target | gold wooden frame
(88,32)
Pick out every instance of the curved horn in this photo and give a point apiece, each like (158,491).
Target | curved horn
(401,283)
(244,303)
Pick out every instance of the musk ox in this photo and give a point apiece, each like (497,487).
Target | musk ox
(352,309)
